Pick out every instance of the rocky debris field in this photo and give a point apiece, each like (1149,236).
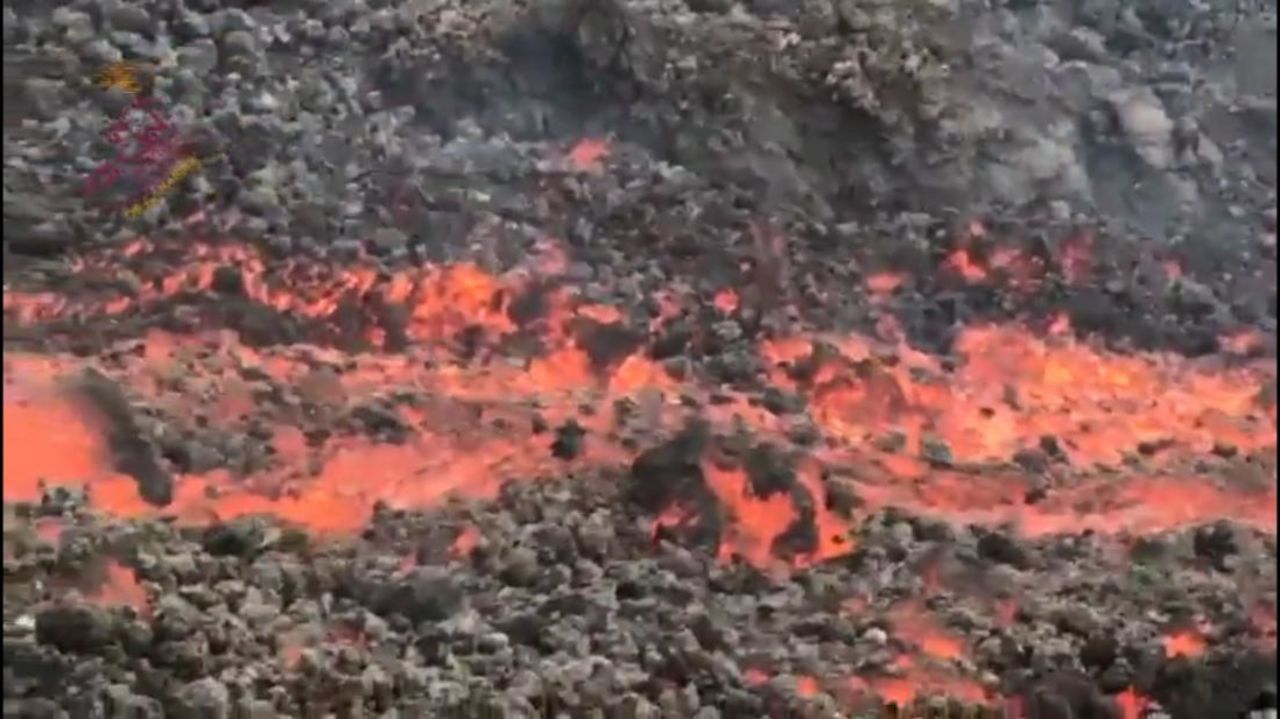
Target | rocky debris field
(560,605)
(866,133)
(621,358)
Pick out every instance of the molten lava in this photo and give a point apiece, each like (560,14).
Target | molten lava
(121,588)
(406,388)
(913,428)
(1185,643)
(589,154)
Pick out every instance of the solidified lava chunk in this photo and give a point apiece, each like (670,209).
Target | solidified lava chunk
(804,370)
(936,452)
(669,471)
(31,669)
(381,421)
(1215,543)
(1032,460)
(238,538)
(1099,651)
(1050,446)
(770,470)
(1266,699)
(606,344)
(530,305)
(781,403)
(669,476)
(470,340)
(1091,310)
(1000,547)
(228,281)
(259,326)
(1202,689)
(134,455)
(424,594)
(672,342)
(75,627)
(568,442)
(800,537)
(1068,695)
(538,424)
(393,319)
(526,629)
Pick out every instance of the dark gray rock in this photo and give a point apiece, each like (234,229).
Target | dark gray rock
(203,699)
(75,627)
(46,97)
(130,18)
(200,56)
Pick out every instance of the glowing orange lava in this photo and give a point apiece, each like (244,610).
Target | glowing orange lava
(1131,704)
(912,432)
(884,283)
(1133,443)
(465,542)
(1186,643)
(726,301)
(121,588)
(923,681)
(588,154)
(46,436)
(913,624)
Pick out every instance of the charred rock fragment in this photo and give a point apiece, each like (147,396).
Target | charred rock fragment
(1066,695)
(607,344)
(1002,548)
(568,441)
(1215,544)
(228,281)
(1192,689)
(134,454)
(242,537)
(75,627)
(769,470)
(669,478)
(423,594)
(670,471)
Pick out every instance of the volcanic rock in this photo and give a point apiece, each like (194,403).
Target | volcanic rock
(204,699)
(626,358)
(75,627)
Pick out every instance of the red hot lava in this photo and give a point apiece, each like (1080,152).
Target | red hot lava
(1126,438)
(883,409)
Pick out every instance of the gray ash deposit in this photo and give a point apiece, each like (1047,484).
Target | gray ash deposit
(644,359)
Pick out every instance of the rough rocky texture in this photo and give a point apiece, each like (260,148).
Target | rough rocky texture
(869,132)
(1108,163)
(563,603)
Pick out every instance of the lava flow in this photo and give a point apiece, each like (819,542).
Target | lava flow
(328,393)
(913,429)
